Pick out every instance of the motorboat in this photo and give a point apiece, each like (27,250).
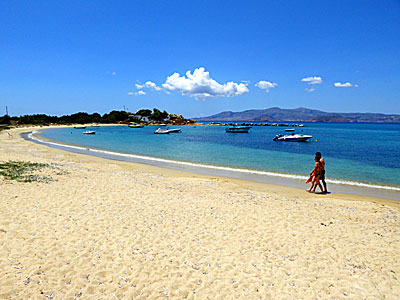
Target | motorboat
(161,131)
(292,138)
(89,132)
(289,129)
(174,130)
(134,125)
(79,127)
(238,129)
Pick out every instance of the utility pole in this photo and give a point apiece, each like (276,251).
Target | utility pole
(6,110)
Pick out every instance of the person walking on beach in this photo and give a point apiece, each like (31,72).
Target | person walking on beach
(314,176)
(322,176)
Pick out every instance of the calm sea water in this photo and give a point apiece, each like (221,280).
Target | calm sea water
(367,153)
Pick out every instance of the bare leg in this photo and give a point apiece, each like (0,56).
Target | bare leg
(312,185)
(320,186)
(325,189)
(317,184)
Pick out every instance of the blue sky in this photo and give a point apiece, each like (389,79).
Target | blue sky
(61,57)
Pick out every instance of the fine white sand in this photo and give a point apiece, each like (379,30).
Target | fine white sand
(99,229)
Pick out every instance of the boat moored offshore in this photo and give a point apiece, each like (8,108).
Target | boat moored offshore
(89,132)
(238,129)
(161,131)
(135,125)
(292,138)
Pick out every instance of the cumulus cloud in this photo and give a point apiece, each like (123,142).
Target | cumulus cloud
(265,85)
(312,80)
(138,93)
(149,85)
(201,86)
(345,85)
(152,86)
(310,90)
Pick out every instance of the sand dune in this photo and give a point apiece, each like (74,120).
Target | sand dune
(99,229)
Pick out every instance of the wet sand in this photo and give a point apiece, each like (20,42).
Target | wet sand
(92,228)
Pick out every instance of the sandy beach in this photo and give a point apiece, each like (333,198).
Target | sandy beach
(91,228)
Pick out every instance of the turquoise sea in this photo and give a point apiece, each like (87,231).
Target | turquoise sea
(356,153)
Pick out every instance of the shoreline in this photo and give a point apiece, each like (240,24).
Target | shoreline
(268,177)
(95,228)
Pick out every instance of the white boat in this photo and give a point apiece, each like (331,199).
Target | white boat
(89,132)
(79,127)
(292,138)
(134,125)
(174,130)
(161,131)
(238,129)
(289,129)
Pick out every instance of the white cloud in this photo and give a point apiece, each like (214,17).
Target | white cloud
(310,90)
(266,85)
(138,93)
(149,85)
(114,73)
(347,84)
(201,86)
(152,86)
(312,80)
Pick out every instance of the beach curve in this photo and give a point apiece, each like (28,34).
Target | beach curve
(104,229)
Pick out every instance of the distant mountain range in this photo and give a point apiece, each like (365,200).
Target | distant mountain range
(301,114)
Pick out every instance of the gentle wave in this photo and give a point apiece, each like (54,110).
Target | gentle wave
(231,169)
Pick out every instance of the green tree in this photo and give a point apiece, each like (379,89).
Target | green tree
(5,119)
(144,112)
(157,115)
(115,117)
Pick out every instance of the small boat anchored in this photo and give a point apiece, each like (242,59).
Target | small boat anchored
(292,138)
(89,132)
(238,129)
(161,131)
(79,127)
(167,131)
(135,125)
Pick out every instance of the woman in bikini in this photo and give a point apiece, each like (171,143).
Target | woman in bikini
(314,176)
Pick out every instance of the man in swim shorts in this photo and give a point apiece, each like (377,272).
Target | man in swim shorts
(314,177)
(322,175)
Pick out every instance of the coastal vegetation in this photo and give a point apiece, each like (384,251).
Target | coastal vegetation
(22,171)
(142,115)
